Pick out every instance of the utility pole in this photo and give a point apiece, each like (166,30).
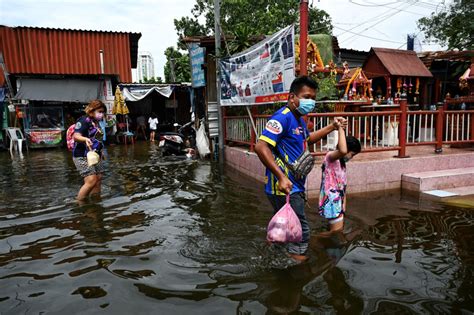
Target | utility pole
(303,37)
(217,33)
(173,80)
(172,73)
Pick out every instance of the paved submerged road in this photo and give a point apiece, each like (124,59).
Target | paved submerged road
(185,237)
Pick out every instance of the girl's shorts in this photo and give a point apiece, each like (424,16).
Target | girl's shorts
(332,209)
(86,170)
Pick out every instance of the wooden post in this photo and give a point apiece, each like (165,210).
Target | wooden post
(472,126)
(224,124)
(217,39)
(439,129)
(303,37)
(402,128)
(388,82)
(253,129)
(436,91)
(253,138)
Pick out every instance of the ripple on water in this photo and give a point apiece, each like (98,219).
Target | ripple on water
(90,292)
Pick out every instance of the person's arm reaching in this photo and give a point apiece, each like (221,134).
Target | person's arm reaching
(265,155)
(323,132)
(341,146)
(79,131)
(80,138)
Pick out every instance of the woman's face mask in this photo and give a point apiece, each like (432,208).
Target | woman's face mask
(306,106)
(99,115)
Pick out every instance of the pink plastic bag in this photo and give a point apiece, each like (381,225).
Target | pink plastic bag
(285,227)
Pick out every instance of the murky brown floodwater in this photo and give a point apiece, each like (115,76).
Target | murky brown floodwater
(180,237)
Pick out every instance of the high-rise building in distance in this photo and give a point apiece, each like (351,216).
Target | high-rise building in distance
(145,66)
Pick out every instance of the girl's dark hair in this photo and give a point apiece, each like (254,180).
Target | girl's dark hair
(353,145)
(153,115)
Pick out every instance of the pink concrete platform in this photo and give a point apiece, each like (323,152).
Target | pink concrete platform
(451,178)
(462,191)
(367,171)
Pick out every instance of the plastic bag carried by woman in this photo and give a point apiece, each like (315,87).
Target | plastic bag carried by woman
(285,227)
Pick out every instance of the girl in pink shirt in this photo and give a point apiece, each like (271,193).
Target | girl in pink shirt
(332,197)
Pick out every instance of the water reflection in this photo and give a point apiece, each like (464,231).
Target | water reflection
(183,237)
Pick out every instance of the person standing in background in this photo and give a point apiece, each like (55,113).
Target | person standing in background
(153,122)
(102,125)
(141,126)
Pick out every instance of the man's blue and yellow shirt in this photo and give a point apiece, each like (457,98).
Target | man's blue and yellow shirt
(287,134)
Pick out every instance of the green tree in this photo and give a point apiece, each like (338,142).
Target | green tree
(453,27)
(320,22)
(188,26)
(327,86)
(153,80)
(243,22)
(243,19)
(177,67)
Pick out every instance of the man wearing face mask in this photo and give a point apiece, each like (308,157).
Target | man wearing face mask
(283,149)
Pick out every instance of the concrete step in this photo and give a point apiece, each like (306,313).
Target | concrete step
(462,191)
(433,180)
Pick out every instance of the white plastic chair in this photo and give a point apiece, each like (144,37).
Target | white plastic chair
(16,139)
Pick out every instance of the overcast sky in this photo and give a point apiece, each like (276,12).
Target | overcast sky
(383,23)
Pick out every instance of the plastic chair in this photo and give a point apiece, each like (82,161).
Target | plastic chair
(16,139)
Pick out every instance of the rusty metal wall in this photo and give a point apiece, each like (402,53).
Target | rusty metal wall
(29,50)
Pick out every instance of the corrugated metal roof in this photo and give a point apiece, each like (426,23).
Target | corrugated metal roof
(36,50)
(447,54)
(451,55)
(148,85)
(400,62)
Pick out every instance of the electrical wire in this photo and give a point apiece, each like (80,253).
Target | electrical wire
(380,17)
(383,17)
(371,37)
(406,11)
(373,5)
(418,3)
(378,22)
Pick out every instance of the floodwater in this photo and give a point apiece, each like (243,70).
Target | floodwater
(185,237)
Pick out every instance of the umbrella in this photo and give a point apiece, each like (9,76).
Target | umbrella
(119,104)
(120,107)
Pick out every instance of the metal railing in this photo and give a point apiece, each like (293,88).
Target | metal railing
(238,129)
(458,126)
(421,127)
(376,131)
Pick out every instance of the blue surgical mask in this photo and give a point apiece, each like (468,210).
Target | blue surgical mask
(306,106)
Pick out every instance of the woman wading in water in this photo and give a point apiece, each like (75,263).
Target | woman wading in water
(88,137)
